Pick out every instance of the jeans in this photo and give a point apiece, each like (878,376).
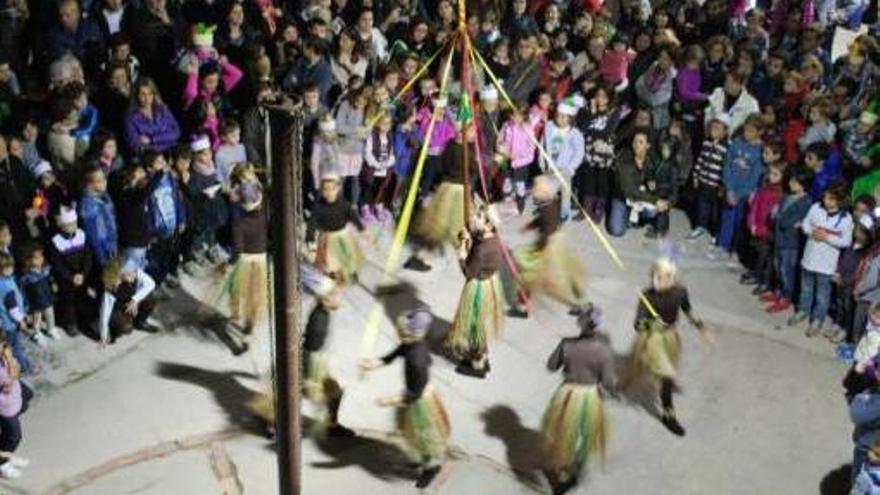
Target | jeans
(731,225)
(595,206)
(786,265)
(708,208)
(565,189)
(14,339)
(815,295)
(618,218)
(10,434)
(352,188)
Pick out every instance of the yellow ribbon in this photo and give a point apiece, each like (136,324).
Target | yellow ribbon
(372,331)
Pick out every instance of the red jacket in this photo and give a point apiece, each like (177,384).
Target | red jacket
(762,209)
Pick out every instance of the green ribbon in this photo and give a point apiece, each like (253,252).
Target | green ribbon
(475,313)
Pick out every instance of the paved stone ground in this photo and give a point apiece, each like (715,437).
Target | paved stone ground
(165,414)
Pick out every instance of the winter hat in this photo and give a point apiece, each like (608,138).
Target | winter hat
(200,143)
(489,93)
(66,216)
(414,324)
(327,125)
(330,177)
(578,101)
(567,109)
(723,118)
(42,167)
(867,118)
(203,34)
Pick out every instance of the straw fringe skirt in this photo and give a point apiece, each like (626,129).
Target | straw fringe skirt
(574,427)
(319,386)
(425,426)
(442,219)
(554,270)
(479,318)
(339,255)
(655,351)
(249,289)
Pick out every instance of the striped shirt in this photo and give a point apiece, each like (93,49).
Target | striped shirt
(710,163)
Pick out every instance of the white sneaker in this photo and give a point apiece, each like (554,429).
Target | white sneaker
(55,333)
(19,462)
(40,339)
(9,472)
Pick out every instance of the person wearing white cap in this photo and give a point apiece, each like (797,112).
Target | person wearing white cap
(71,261)
(565,145)
(210,211)
(126,303)
(423,419)
(489,123)
(325,151)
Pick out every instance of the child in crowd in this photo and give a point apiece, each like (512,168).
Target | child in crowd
(743,168)
(516,146)
(98,217)
(844,277)
(127,301)
(708,178)
(407,140)
(352,133)
(204,96)
(828,227)
(39,296)
(49,197)
(210,212)
(12,314)
(72,266)
(379,155)
(230,152)
(821,129)
(826,165)
(787,237)
(763,206)
(166,214)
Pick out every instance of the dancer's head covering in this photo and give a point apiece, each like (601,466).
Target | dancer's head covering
(484,218)
(413,324)
(545,188)
(589,319)
(663,274)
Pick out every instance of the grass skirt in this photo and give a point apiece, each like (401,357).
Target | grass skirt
(425,426)
(443,218)
(574,427)
(319,386)
(655,351)
(479,318)
(249,289)
(554,270)
(339,255)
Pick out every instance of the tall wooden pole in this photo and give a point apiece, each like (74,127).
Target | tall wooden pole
(286,213)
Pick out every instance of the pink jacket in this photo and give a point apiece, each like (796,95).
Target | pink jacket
(444,130)
(517,142)
(762,209)
(10,393)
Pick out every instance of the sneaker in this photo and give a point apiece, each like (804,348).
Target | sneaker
(172,282)
(696,234)
(517,313)
(829,332)
(717,253)
(147,327)
(731,262)
(813,330)
(797,318)
(838,336)
(467,369)
(55,333)
(416,264)
(9,472)
(779,306)
(19,462)
(652,233)
(748,278)
(339,431)
(40,339)
(769,297)
(760,289)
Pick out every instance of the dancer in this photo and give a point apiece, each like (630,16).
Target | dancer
(442,220)
(657,348)
(249,286)
(574,424)
(480,314)
(423,419)
(549,266)
(337,252)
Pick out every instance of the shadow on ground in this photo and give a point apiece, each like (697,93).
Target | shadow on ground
(230,395)
(521,443)
(837,482)
(185,314)
(381,459)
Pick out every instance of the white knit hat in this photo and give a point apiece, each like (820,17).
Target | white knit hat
(579,101)
(328,125)
(489,93)
(41,168)
(566,109)
(200,143)
(724,118)
(66,216)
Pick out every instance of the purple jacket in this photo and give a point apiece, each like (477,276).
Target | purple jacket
(162,130)
(10,393)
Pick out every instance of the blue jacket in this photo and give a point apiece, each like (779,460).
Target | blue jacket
(165,207)
(8,287)
(99,222)
(832,170)
(864,411)
(868,481)
(88,121)
(787,232)
(743,168)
